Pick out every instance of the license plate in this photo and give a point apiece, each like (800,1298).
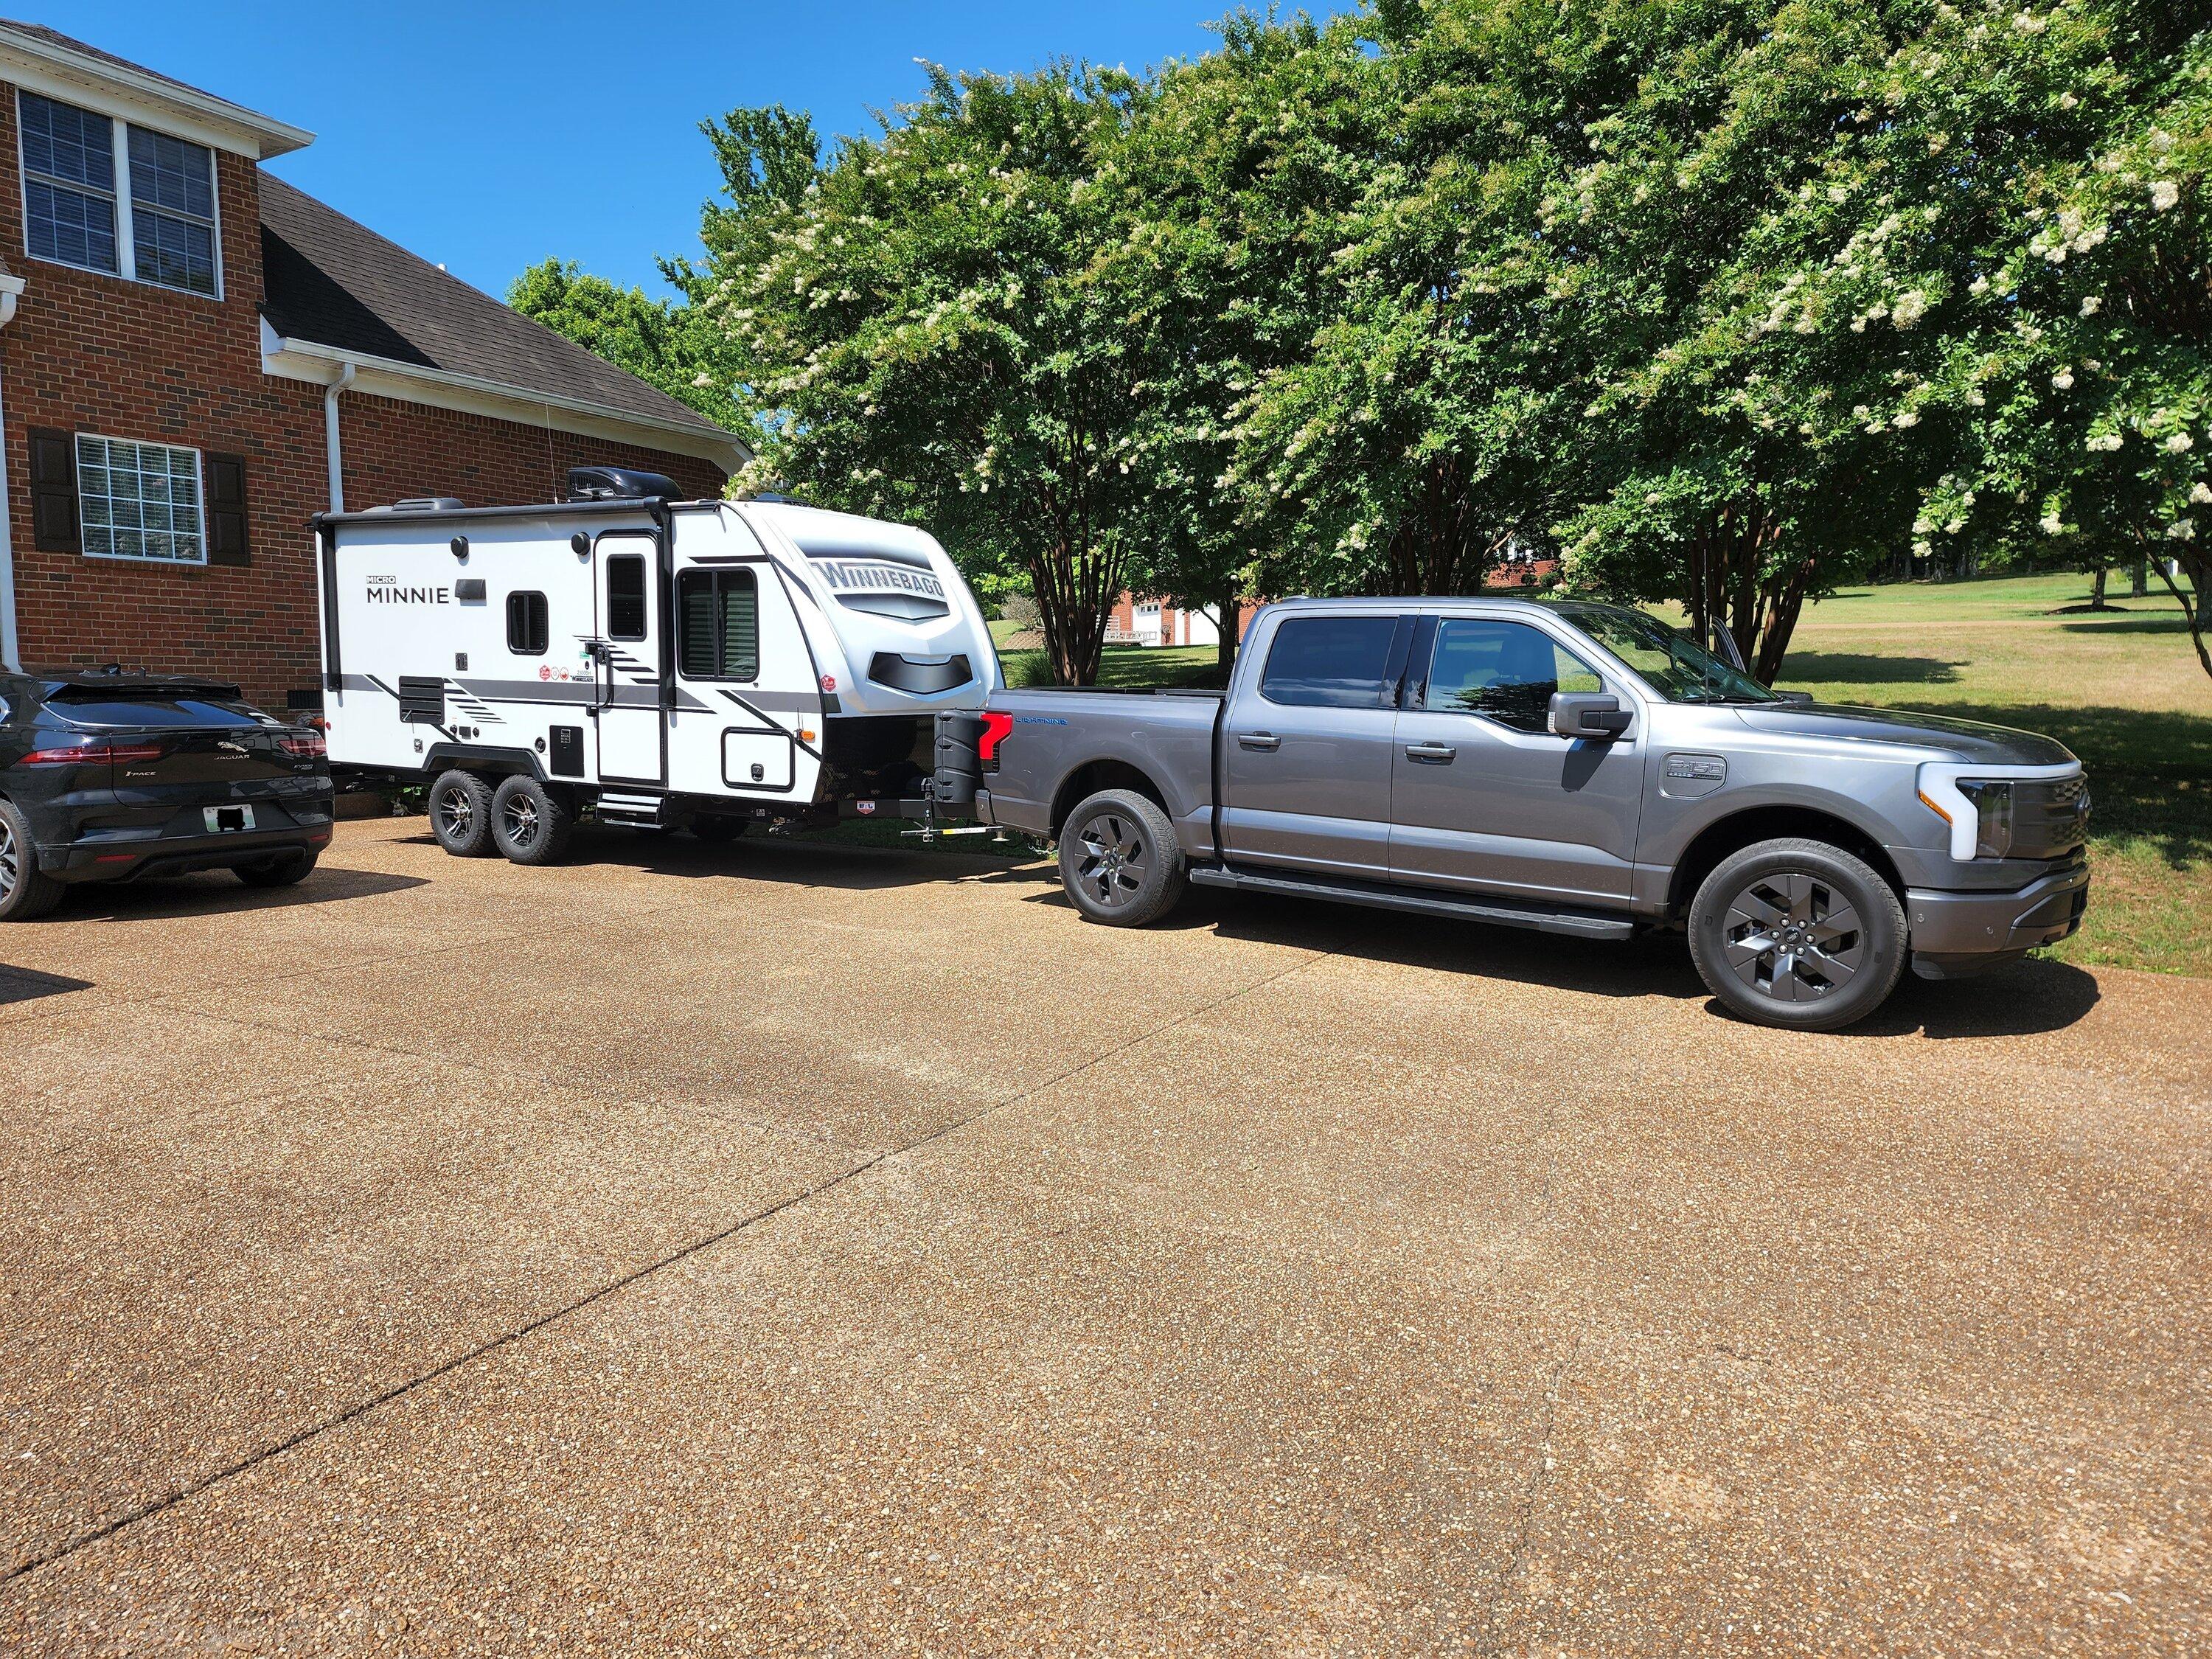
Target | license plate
(220,818)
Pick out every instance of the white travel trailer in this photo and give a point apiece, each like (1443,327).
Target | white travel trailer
(652,662)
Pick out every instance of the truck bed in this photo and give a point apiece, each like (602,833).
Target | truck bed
(1167,735)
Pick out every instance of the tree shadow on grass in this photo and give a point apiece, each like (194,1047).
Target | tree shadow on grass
(2128,624)
(1855,668)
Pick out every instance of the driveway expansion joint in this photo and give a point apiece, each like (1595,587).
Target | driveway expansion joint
(191,1489)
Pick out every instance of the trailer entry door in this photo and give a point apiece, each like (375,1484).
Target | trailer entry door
(632,729)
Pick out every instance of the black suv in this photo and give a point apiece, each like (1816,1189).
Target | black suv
(108,775)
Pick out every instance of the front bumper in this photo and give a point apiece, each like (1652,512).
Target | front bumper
(1954,935)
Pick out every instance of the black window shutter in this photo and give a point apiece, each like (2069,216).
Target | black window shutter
(226,508)
(54,490)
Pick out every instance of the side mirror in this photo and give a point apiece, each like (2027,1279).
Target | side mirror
(1594,714)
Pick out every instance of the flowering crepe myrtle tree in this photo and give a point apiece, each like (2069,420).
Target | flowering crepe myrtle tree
(926,333)
(2059,155)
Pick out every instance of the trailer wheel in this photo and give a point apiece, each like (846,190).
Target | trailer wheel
(1119,860)
(460,814)
(530,822)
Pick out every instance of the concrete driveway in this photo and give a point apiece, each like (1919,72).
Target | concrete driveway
(790,1248)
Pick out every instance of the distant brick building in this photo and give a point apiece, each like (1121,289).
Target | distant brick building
(195,357)
(1157,621)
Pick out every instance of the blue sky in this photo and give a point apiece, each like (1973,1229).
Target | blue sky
(488,136)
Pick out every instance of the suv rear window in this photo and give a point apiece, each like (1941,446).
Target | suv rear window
(1329,662)
(107,709)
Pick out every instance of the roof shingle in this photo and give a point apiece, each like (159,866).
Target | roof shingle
(337,283)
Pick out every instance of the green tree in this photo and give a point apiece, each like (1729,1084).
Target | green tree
(660,342)
(924,330)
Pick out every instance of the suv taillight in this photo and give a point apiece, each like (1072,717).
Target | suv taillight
(308,747)
(996,726)
(93,754)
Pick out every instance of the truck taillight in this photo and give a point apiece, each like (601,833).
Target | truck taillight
(995,727)
(308,747)
(93,754)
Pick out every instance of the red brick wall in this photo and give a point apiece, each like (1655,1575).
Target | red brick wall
(96,353)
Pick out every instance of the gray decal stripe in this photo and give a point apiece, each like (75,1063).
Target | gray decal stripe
(770,726)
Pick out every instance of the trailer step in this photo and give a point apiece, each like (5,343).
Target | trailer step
(1578,924)
(636,812)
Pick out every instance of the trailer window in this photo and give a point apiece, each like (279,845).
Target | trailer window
(626,597)
(526,624)
(719,619)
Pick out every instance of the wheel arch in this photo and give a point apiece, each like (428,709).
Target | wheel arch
(1750,825)
(1091,777)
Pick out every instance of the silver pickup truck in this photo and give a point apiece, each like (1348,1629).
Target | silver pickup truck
(1579,768)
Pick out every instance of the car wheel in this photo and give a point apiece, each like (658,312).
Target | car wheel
(284,870)
(530,822)
(460,814)
(1799,934)
(717,829)
(27,892)
(1119,860)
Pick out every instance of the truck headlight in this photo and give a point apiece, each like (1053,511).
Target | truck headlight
(1992,802)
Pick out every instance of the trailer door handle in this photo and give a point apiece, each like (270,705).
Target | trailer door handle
(1429,754)
(1258,740)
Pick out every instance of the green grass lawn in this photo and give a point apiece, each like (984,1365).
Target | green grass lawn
(2122,688)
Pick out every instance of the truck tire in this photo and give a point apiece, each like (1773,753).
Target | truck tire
(530,823)
(1799,934)
(27,892)
(460,814)
(1119,860)
(283,870)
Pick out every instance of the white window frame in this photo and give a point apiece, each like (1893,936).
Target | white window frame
(199,490)
(126,241)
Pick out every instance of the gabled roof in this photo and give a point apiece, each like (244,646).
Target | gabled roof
(334,284)
(58,65)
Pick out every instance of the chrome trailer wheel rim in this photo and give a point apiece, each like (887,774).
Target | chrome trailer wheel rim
(1793,937)
(521,817)
(1111,861)
(457,814)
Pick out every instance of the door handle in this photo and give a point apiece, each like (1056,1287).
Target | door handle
(1258,740)
(1430,754)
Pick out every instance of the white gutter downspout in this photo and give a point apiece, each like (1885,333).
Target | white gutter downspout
(11,291)
(331,436)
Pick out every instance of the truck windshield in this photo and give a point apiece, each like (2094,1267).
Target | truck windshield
(1674,664)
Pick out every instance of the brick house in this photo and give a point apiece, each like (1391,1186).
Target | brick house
(1135,621)
(195,356)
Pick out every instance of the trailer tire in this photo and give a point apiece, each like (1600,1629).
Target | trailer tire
(460,814)
(530,822)
(718,829)
(1120,861)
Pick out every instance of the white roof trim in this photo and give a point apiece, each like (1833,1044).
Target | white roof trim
(438,388)
(56,71)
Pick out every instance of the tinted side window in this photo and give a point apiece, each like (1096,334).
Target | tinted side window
(1328,662)
(626,597)
(527,624)
(1505,670)
(719,622)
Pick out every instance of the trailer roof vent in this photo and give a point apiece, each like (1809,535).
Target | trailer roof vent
(421,504)
(614,484)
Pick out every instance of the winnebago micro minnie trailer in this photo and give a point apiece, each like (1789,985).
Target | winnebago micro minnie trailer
(657,663)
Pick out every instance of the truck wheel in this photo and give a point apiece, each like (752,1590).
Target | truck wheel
(1119,860)
(1799,934)
(27,892)
(717,829)
(460,814)
(530,822)
(283,870)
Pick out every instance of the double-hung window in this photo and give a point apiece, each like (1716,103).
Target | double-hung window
(104,195)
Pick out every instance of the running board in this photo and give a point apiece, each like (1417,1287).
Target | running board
(1578,924)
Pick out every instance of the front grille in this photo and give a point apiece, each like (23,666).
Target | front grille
(2050,819)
